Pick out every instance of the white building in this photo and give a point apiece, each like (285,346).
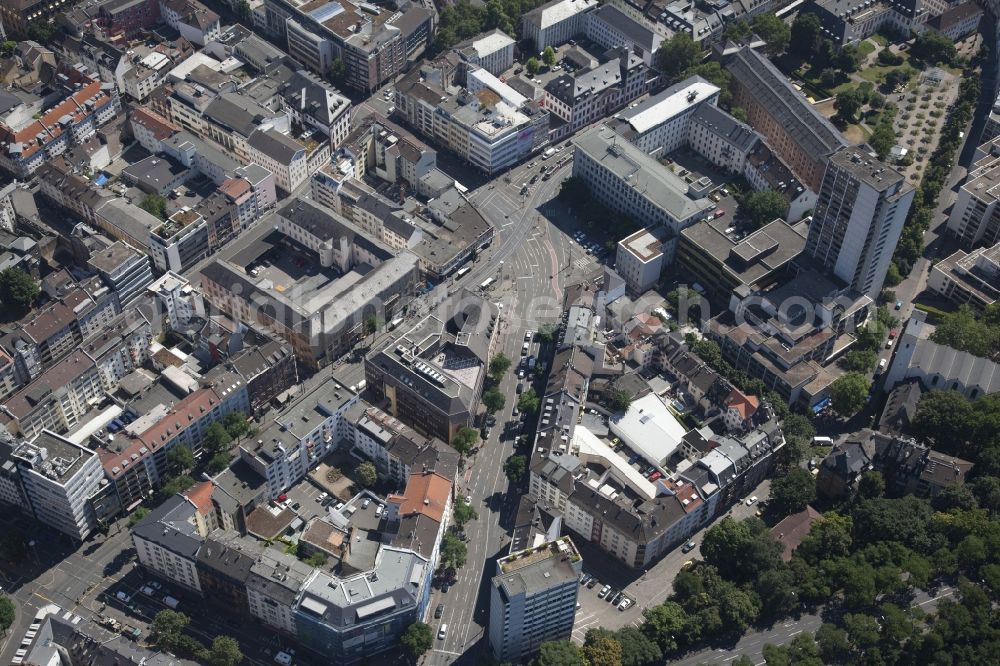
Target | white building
(282,461)
(939,367)
(556,22)
(975,216)
(58,479)
(659,125)
(586,96)
(178,299)
(640,258)
(274,582)
(649,429)
(861,211)
(533,599)
(720,138)
(194,21)
(493,51)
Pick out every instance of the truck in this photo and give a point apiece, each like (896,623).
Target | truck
(549,152)
(171,602)
(134,633)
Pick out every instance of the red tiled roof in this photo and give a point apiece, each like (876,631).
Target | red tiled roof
(234,188)
(160,127)
(200,494)
(746,405)
(425,493)
(48,126)
(192,408)
(793,529)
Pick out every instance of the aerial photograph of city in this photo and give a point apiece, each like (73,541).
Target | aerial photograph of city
(499,332)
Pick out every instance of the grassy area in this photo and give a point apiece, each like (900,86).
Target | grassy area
(866,48)
(881,40)
(876,73)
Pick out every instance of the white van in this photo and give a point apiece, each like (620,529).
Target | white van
(822,441)
(442,631)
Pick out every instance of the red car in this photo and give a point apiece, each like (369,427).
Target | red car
(655,475)
(282,498)
(892,334)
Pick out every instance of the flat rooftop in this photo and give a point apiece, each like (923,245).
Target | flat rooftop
(673,101)
(646,244)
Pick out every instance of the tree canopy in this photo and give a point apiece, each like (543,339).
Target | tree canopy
(155,205)
(764,206)
(463,440)
(560,653)
(417,639)
(216,438)
(515,467)
(463,512)
(794,491)
(18,290)
(677,54)
(365,474)
(493,400)
(848,393)
(7,613)
(499,365)
(453,551)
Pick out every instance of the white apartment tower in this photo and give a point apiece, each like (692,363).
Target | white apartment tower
(859,216)
(533,599)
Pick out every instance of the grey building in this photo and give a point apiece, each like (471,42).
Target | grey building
(533,599)
(123,269)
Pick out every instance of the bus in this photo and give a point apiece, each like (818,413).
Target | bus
(486,283)
(462,272)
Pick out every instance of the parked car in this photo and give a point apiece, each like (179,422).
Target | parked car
(445,586)
(688,547)
(520,385)
(604,592)
(899,305)
(438,611)
(586,579)
(615,598)
(592,583)
(626,602)
(751,500)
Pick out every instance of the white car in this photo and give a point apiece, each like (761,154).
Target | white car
(752,500)
(323,496)
(626,602)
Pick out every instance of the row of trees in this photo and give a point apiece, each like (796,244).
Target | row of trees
(911,243)
(168,633)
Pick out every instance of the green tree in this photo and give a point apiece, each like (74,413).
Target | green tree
(828,77)
(7,613)
(850,58)
(799,433)
(366,474)
(463,512)
(225,651)
(739,113)
(848,103)
(794,491)
(453,551)
(338,72)
(933,48)
(639,650)
(547,332)
(775,32)
(882,139)
(528,402)
(41,31)
(848,393)
(665,625)
(499,366)
(871,484)
(7,48)
(371,324)
(677,54)
(741,550)
(961,330)
(716,74)
(463,440)
(493,400)
(549,56)
(177,484)
(805,35)
(219,462)
(737,607)
(316,559)
(559,653)
(179,459)
(168,625)
(764,206)
(861,360)
(236,424)
(18,290)
(155,205)
(601,649)
(416,640)
(515,467)
(216,438)
(533,66)
(137,516)
(619,401)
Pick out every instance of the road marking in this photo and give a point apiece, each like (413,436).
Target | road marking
(795,632)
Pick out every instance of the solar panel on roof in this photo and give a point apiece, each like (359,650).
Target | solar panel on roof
(326,12)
